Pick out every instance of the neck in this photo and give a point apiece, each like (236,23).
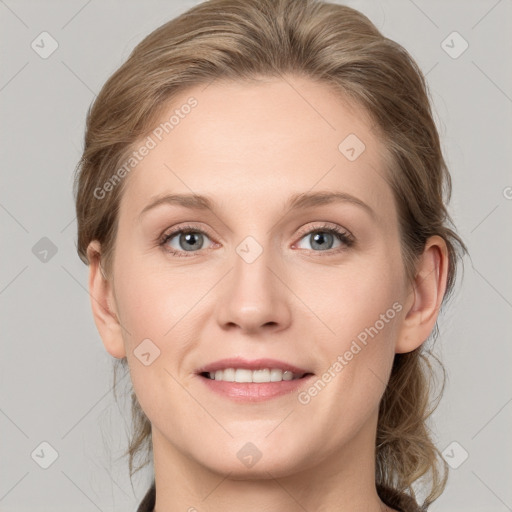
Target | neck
(345,482)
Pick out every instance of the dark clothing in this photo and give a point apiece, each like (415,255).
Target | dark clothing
(399,502)
(148,502)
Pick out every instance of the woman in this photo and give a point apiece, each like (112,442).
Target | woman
(262,203)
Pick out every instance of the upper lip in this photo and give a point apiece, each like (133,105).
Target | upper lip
(255,364)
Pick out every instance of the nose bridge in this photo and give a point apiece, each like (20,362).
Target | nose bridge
(254,296)
(252,277)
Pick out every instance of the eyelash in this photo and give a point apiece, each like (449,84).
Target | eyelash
(342,235)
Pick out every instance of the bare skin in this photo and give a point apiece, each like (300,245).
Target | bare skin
(249,147)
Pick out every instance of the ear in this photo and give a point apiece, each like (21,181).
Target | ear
(425,297)
(103,304)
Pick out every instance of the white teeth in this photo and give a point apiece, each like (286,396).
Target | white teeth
(261,375)
(276,375)
(228,375)
(242,375)
(245,375)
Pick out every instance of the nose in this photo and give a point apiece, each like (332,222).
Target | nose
(254,297)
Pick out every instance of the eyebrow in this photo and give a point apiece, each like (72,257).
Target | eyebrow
(295,202)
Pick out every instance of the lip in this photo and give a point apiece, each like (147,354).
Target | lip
(255,364)
(253,391)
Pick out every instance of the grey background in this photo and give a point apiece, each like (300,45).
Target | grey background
(55,376)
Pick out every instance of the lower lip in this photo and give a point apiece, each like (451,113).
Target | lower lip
(252,391)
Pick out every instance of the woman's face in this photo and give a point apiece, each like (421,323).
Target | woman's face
(258,278)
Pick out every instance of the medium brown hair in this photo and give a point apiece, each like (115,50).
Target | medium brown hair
(333,45)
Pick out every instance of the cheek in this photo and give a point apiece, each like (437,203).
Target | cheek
(349,298)
(156,307)
(364,313)
(149,303)
(360,323)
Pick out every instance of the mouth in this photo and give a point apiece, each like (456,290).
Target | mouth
(255,376)
(262,379)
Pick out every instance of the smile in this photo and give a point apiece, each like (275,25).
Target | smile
(244,380)
(259,376)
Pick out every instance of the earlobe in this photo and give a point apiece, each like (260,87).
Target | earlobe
(103,304)
(426,297)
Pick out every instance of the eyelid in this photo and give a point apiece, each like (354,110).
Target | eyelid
(325,225)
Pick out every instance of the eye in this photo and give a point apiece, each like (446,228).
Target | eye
(185,239)
(323,238)
(190,239)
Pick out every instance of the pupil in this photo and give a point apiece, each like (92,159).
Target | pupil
(189,237)
(319,238)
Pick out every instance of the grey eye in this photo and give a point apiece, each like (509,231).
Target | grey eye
(320,240)
(187,241)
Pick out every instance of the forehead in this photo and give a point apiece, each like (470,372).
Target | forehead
(258,143)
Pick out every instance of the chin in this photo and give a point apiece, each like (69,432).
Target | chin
(249,462)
